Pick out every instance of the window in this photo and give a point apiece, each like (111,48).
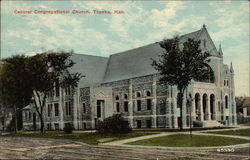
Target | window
(148,93)
(224,82)
(138,123)
(117,107)
(57,88)
(148,123)
(29,115)
(227,82)
(49,110)
(138,105)
(204,43)
(226,101)
(125,96)
(83,108)
(67,91)
(98,108)
(56,126)
(117,98)
(148,104)
(138,94)
(68,108)
(126,106)
(56,105)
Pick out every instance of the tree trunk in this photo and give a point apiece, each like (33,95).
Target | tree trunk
(42,124)
(15,119)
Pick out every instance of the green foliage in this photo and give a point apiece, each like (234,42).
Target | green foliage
(114,124)
(179,66)
(25,79)
(180,63)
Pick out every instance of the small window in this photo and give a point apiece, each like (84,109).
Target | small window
(29,115)
(56,126)
(56,105)
(226,101)
(148,93)
(126,106)
(83,108)
(138,94)
(138,105)
(117,98)
(227,82)
(148,104)
(125,96)
(49,110)
(67,91)
(68,108)
(117,107)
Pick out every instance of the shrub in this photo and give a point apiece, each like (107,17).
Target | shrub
(114,124)
(68,129)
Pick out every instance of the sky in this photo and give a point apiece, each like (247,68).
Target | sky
(137,24)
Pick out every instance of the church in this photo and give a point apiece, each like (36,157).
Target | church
(126,83)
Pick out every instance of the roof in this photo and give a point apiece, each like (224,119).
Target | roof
(137,62)
(132,63)
(92,67)
(246,102)
(128,64)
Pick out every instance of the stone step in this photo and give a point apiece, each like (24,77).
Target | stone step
(208,123)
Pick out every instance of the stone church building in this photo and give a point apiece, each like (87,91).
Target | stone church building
(126,83)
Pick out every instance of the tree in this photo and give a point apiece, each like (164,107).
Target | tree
(14,86)
(29,79)
(180,63)
(47,70)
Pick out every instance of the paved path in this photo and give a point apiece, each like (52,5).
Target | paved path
(204,132)
(34,148)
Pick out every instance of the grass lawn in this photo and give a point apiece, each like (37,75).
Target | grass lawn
(89,138)
(183,140)
(242,132)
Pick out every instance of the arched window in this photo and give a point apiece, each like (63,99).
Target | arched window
(125,96)
(117,98)
(138,94)
(148,93)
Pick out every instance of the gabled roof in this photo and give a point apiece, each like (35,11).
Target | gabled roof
(137,62)
(128,64)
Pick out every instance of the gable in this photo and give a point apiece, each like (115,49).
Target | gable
(209,44)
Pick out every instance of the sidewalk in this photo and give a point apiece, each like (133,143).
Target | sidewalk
(122,142)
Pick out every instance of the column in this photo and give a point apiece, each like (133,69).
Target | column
(208,108)
(130,103)
(184,109)
(200,106)
(75,109)
(154,101)
(175,114)
(61,110)
(193,112)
